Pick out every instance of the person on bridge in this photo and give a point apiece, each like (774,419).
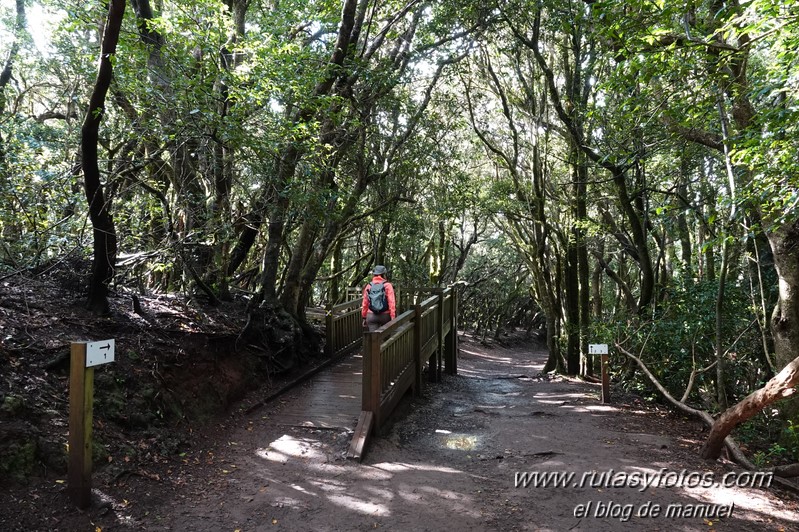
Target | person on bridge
(379,304)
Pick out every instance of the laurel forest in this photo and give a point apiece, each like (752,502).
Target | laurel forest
(596,171)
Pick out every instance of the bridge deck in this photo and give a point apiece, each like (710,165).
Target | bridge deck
(329,399)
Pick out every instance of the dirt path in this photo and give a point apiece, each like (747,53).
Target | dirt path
(451,462)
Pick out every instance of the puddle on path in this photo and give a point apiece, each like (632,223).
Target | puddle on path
(460,442)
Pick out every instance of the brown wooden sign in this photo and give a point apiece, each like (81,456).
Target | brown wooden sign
(84,356)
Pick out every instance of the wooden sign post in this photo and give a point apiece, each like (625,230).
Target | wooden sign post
(602,350)
(84,356)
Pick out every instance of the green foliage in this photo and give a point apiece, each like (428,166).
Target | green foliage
(213,132)
(774,441)
(773,456)
(680,339)
(37,191)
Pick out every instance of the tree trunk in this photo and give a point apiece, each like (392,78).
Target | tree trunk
(785,330)
(785,318)
(10,231)
(5,74)
(572,310)
(721,363)
(708,202)
(8,65)
(583,269)
(596,285)
(779,387)
(682,222)
(328,239)
(292,154)
(105,239)
(249,227)
(300,255)
(638,230)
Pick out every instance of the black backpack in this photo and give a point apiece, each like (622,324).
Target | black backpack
(378,302)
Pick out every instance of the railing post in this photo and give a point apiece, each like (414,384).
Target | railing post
(435,367)
(330,343)
(451,341)
(371,375)
(417,351)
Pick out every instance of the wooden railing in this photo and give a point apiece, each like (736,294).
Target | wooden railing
(343,326)
(395,355)
(406,298)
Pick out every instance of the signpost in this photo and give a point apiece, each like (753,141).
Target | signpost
(84,356)
(99,353)
(602,349)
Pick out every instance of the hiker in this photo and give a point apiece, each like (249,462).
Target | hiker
(379,305)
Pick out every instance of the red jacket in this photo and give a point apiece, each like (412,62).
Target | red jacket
(392,302)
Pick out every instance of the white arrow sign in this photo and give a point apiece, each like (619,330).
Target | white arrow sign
(99,353)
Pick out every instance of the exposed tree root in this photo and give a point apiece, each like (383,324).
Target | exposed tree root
(734,451)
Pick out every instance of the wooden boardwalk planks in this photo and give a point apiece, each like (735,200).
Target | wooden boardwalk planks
(331,399)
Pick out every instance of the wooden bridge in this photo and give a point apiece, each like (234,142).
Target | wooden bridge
(393,360)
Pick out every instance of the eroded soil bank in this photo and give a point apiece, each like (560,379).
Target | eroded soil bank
(451,462)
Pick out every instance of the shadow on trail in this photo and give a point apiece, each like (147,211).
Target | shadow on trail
(497,447)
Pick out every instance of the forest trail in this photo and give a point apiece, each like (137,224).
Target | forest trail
(451,461)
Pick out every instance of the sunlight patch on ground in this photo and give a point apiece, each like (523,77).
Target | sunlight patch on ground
(328,484)
(475,353)
(294,504)
(120,508)
(455,502)
(364,507)
(375,473)
(326,467)
(595,409)
(744,499)
(522,373)
(556,402)
(496,358)
(384,494)
(639,412)
(560,399)
(470,373)
(560,395)
(751,499)
(297,487)
(758,502)
(287,447)
(399,467)
(600,408)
